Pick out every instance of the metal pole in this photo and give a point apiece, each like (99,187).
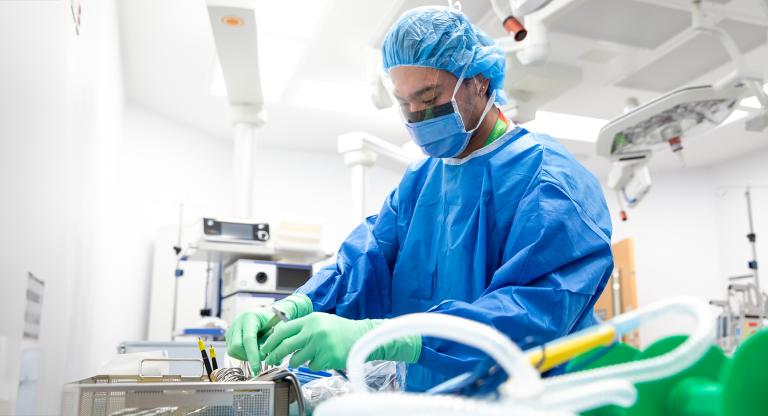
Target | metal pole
(753,242)
(177,272)
(243,164)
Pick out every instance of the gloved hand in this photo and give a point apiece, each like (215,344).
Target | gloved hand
(325,341)
(244,332)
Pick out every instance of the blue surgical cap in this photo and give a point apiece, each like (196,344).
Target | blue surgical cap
(443,38)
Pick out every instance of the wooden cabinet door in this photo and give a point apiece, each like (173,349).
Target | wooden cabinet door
(620,294)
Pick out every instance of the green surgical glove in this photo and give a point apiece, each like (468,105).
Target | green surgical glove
(325,341)
(244,332)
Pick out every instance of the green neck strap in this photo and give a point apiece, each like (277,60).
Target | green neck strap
(498,130)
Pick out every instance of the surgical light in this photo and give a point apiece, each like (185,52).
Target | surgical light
(630,139)
(665,120)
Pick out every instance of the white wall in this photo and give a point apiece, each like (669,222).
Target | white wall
(60,111)
(166,162)
(158,165)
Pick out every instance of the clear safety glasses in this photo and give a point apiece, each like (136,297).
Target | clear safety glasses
(430,100)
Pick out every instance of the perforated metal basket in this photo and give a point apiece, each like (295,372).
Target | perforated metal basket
(170,395)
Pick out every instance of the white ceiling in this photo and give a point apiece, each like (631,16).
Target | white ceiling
(168,58)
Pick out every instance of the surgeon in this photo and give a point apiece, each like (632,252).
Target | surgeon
(498,225)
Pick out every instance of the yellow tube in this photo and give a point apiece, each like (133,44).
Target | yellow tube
(562,350)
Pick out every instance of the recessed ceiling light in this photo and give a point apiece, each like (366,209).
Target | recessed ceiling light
(750,102)
(566,126)
(736,115)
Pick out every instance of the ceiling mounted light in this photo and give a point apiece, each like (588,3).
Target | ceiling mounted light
(566,126)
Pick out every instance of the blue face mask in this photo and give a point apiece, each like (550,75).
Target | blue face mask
(446,135)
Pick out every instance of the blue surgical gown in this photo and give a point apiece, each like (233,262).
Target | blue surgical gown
(515,236)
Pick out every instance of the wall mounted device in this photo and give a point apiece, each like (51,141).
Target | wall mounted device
(234,231)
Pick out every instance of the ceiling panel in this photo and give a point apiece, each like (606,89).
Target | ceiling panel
(694,58)
(627,22)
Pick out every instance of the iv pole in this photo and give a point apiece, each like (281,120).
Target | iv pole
(752,237)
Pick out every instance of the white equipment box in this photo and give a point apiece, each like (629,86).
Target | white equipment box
(263,277)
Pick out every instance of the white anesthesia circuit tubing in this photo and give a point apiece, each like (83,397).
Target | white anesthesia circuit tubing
(524,392)
(509,357)
(520,393)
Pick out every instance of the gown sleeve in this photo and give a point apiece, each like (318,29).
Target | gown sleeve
(557,261)
(358,285)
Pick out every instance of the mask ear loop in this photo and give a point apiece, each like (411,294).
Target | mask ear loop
(487,108)
(455,90)
(491,101)
(458,84)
